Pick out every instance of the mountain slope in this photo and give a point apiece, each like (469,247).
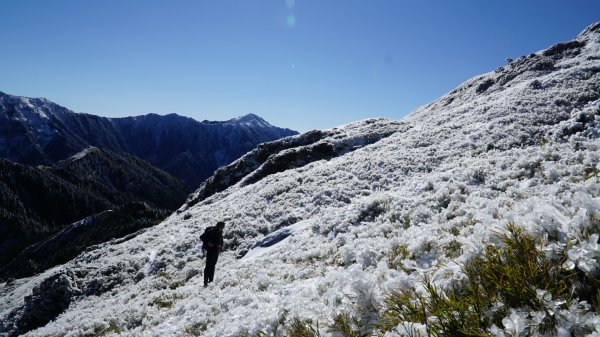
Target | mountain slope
(193,150)
(122,223)
(38,202)
(320,238)
(30,133)
(37,131)
(122,174)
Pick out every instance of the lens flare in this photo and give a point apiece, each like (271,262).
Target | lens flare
(291,20)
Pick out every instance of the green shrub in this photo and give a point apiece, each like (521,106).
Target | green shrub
(513,273)
(301,328)
(102,330)
(166,301)
(453,249)
(198,328)
(444,314)
(500,278)
(590,172)
(346,325)
(400,253)
(163,302)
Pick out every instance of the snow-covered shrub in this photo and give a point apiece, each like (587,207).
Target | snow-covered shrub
(453,249)
(515,287)
(371,208)
(300,328)
(396,255)
(347,325)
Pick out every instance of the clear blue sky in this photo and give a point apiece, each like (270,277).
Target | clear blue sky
(303,64)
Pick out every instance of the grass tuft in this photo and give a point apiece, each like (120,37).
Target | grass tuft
(347,326)
(515,275)
(396,255)
(453,249)
(301,328)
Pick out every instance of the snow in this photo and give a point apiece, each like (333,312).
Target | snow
(36,112)
(81,154)
(276,239)
(249,120)
(313,241)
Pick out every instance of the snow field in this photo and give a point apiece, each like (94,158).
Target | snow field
(338,263)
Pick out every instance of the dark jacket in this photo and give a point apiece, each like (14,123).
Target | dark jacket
(212,238)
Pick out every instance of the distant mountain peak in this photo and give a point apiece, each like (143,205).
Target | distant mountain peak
(249,119)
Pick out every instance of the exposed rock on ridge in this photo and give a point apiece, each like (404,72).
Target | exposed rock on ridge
(293,152)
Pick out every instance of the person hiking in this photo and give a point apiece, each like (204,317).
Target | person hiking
(212,242)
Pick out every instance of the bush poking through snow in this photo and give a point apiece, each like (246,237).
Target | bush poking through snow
(301,328)
(513,276)
(516,275)
(347,326)
(165,301)
(113,327)
(396,255)
(443,314)
(453,249)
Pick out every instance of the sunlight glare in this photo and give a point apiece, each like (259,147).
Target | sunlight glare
(291,20)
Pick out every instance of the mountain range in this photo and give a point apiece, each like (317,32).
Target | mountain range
(475,215)
(37,131)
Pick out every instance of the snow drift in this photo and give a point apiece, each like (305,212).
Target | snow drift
(519,144)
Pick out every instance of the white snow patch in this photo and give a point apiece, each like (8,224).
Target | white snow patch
(276,239)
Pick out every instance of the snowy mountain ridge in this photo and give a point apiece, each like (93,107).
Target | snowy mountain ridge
(519,144)
(21,109)
(293,152)
(249,119)
(36,131)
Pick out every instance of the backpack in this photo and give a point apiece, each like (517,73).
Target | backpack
(205,237)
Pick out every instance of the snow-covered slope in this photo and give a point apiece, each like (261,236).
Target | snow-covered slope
(312,239)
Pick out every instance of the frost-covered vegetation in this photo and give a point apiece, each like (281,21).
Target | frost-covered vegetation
(478,216)
(518,274)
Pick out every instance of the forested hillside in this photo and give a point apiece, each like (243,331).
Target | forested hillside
(38,202)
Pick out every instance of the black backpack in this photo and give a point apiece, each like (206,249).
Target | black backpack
(206,235)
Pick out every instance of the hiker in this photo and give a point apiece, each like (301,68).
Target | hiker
(212,241)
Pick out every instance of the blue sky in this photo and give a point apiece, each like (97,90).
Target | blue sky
(301,64)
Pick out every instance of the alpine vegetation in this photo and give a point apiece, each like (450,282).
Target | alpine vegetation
(477,215)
